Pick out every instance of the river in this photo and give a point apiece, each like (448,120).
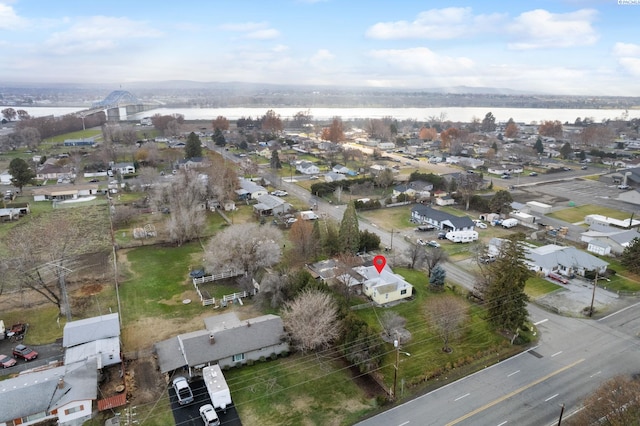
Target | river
(456,114)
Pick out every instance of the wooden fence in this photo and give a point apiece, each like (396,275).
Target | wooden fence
(204,295)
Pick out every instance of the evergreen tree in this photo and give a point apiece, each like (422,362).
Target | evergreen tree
(21,173)
(218,138)
(538,146)
(501,202)
(488,123)
(331,240)
(504,294)
(349,230)
(631,256)
(437,278)
(275,160)
(566,151)
(368,241)
(193,147)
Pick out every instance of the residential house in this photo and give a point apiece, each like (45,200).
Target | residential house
(226,341)
(97,337)
(193,163)
(250,190)
(567,260)
(384,287)
(332,271)
(338,168)
(5,178)
(307,168)
(441,220)
(404,189)
(445,201)
(604,240)
(422,189)
(52,171)
(124,168)
(265,152)
(270,205)
(334,177)
(64,192)
(64,394)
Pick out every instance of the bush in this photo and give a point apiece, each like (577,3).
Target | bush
(263,359)
(250,362)
(273,356)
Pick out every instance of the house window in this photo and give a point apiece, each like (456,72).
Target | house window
(238,358)
(403,291)
(73,410)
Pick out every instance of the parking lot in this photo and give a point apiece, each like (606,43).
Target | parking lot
(189,415)
(46,354)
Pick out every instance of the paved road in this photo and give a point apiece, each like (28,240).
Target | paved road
(572,359)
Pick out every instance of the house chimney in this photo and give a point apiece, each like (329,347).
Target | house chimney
(61,383)
(212,339)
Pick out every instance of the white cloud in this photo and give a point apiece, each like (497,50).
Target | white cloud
(9,20)
(628,55)
(541,29)
(321,57)
(98,33)
(423,60)
(280,48)
(265,34)
(447,23)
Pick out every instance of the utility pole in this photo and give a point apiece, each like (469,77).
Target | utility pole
(593,296)
(561,412)
(396,344)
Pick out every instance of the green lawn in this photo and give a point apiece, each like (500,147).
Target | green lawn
(396,218)
(158,277)
(537,286)
(425,347)
(578,213)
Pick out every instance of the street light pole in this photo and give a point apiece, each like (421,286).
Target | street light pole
(593,295)
(396,344)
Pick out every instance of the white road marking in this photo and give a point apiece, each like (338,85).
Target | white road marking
(595,374)
(550,398)
(621,310)
(511,374)
(541,321)
(557,353)
(402,424)
(503,423)
(463,396)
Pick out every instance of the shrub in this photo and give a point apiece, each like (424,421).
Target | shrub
(273,356)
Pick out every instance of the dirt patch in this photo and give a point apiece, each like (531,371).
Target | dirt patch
(145,384)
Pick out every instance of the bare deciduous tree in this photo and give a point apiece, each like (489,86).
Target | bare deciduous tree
(311,320)
(245,247)
(416,255)
(615,403)
(393,325)
(446,314)
(305,244)
(184,197)
(433,257)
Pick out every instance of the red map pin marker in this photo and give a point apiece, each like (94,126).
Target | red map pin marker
(379,262)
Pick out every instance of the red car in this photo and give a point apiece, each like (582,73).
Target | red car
(6,361)
(24,352)
(558,278)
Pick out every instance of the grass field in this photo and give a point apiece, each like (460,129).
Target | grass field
(578,213)
(392,218)
(536,287)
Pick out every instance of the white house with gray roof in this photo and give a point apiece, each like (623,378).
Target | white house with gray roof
(226,341)
(65,394)
(384,287)
(441,220)
(567,260)
(250,190)
(269,205)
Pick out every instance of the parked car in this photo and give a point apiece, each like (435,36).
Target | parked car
(279,193)
(623,186)
(533,174)
(558,278)
(505,177)
(433,243)
(24,352)
(584,167)
(487,259)
(183,391)
(442,235)
(197,273)
(425,228)
(480,224)
(7,361)
(209,415)
(421,242)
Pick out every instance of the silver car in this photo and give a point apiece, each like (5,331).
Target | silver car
(183,391)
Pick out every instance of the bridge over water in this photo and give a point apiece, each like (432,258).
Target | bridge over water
(119,104)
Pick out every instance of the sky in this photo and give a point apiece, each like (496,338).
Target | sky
(561,47)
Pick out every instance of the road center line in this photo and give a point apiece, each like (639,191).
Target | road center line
(503,423)
(541,321)
(617,312)
(515,392)
(550,398)
(511,374)
(402,424)
(595,374)
(463,396)
(557,353)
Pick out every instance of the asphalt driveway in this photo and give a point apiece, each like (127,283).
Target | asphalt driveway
(189,414)
(46,354)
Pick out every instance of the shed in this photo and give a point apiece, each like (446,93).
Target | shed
(90,329)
